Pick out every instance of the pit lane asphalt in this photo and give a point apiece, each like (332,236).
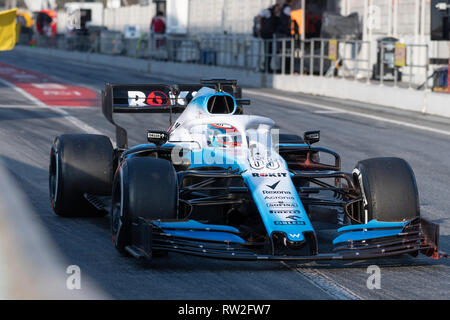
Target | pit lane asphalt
(27,132)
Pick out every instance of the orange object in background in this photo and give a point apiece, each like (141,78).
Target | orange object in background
(312,23)
(296,21)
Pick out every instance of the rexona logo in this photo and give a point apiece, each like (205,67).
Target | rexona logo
(270,175)
(154,98)
(276,192)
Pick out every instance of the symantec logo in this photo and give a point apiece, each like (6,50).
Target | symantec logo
(154,98)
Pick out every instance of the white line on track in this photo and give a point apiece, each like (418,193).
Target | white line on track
(18,106)
(325,283)
(21,106)
(72,119)
(328,111)
(354,113)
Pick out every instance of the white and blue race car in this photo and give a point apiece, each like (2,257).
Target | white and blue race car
(222,184)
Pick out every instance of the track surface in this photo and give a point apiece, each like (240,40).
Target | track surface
(27,130)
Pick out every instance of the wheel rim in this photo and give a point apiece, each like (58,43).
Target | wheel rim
(116,211)
(358,175)
(54,177)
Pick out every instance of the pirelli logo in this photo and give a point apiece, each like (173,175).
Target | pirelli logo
(284,211)
(286,223)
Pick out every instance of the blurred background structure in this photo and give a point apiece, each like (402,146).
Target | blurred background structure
(371,40)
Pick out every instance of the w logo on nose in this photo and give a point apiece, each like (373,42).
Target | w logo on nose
(294,235)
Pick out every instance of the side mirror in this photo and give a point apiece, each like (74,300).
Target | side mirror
(157,137)
(311,137)
(243,102)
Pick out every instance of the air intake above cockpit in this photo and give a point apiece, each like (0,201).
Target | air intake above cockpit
(221,104)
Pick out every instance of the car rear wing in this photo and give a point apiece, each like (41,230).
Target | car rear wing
(156,98)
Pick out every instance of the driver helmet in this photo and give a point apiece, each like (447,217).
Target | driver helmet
(223,136)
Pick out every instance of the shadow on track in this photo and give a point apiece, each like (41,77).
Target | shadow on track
(34,112)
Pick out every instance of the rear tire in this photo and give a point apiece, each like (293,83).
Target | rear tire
(79,164)
(389,189)
(143,187)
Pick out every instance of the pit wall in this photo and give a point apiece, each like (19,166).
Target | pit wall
(426,102)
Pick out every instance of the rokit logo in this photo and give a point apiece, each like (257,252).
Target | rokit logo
(270,175)
(154,98)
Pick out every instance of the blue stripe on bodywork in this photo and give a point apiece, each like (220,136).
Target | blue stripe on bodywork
(215,157)
(192,224)
(365,235)
(206,235)
(368,231)
(374,224)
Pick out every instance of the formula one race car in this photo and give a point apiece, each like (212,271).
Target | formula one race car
(221,184)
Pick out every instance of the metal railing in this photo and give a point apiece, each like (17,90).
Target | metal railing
(225,51)
(349,59)
(413,64)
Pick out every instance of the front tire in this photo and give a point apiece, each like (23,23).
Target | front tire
(389,189)
(143,187)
